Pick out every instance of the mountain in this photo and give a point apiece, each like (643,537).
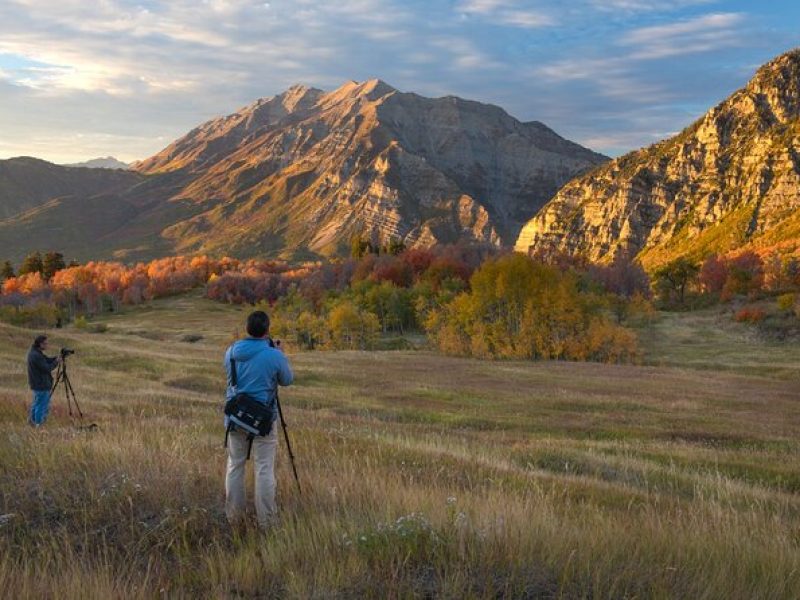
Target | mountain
(300,174)
(27,183)
(106,162)
(730,180)
(303,172)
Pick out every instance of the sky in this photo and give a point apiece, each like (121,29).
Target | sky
(79,79)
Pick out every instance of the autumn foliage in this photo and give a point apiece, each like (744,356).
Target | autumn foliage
(97,287)
(519,308)
(750,315)
(468,300)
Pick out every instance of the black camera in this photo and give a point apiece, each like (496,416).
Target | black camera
(65,352)
(273,343)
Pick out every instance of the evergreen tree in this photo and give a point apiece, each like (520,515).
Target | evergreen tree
(359,247)
(53,261)
(6,271)
(395,246)
(32,264)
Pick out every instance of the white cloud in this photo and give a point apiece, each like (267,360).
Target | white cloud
(646,5)
(131,75)
(508,12)
(464,54)
(701,34)
(484,6)
(119,48)
(611,77)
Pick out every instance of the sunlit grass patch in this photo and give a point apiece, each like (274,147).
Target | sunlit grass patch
(126,363)
(198,383)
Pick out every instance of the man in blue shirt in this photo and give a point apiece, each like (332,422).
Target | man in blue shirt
(260,368)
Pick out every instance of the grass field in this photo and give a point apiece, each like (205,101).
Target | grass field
(422,475)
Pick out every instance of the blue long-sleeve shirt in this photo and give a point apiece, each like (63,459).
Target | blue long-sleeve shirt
(259,369)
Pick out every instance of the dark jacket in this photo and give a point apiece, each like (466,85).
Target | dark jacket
(39,367)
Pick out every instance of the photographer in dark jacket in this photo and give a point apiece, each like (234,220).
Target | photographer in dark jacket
(40,379)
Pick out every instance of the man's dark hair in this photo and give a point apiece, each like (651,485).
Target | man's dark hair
(38,341)
(257,324)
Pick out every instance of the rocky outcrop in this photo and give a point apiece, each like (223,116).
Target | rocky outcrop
(732,179)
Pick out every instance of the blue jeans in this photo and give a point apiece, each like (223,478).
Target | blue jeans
(40,406)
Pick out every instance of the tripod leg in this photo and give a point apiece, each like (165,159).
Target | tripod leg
(56,382)
(60,379)
(66,394)
(71,391)
(288,445)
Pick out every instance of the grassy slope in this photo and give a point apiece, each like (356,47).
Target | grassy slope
(422,474)
(711,340)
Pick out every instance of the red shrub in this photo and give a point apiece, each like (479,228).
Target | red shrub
(419,259)
(391,268)
(745,275)
(749,314)
(713,274)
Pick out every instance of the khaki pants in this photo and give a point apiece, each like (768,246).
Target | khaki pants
(263,457)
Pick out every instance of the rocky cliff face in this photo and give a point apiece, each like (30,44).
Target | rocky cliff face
(308,170)
(731,179)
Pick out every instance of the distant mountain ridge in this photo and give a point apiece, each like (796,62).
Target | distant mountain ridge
(26,183)
(106,162)
(730,180)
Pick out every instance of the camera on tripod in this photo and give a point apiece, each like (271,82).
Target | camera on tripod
(62,379)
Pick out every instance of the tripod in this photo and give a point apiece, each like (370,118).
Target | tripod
(288,445)
(63,378)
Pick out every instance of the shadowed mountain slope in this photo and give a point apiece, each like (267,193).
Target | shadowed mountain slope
(26,183)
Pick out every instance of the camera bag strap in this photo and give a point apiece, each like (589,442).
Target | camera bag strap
(233,385)
(229,428)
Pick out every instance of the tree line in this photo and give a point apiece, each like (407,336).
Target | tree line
(45,264)
(466,299)
(473,301)
(39,295)
(745,276)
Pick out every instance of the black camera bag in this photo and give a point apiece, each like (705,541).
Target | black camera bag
(247,414)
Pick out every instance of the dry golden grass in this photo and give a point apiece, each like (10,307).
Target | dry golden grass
(423,475)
